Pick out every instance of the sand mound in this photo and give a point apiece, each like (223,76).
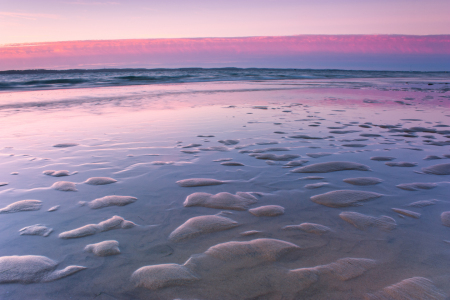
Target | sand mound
(363,222)
(316,185)
(259,249)
(348,268)
(192,146)
(310,228)
(232,163)
(270,156)
(415,186)
(32,268)
(64,186)
(229,142)
(423,203)
(65,145)
(111,200)
(416,288)
(201,225)
(115,222)
(318,154)
(105,248)
(37,229)
(3,183)
(198,182)
(250,232)
(354,145)
(267,211)
(306,137)
(440,169)
(382,158)
(407,213)
(403,164)
(160,276)
(54,208)
(100,180)
(223,200)
(54,173)
(331,166)
(296,163)
(363,180)
(343,198)
(445,218)
(22,205)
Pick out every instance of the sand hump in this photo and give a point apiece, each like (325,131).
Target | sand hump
(415,186)
(382,158)
(259,249)
(64,186)
(363,180)
(100,180)
(407,213)
(105,248)
(310,228)
(440,169)
(267,211)
(347,268)
(65,145)
(37,229)
(232,163)
(54,173)
(224,200)
(115,222)
(296,163)
(423,203)
(229,142)
(32,268)
(111,200)
(403,164)
(331,166)
(199,182)
(445,218)
(343,198)
(201,225)
(270,156)
(363,222)
(22,205)
(160,276)
(416,288)
(318,154)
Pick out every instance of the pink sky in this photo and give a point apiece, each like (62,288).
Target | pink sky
(301,51)
(382,34)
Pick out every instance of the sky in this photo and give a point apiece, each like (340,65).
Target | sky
(27,26)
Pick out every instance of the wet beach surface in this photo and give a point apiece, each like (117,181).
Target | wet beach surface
(319,189)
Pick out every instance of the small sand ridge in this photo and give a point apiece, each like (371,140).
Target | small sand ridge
(22,205)
(64,186)
(267,211)
(415,186)
(115,222)
(105,248)
(201,225)
(100,180)
(363,222)
(331,166)
(31,269)
(224,200)
(344,198)
(363,180)
(310,228)
(37,229)
(416,288)
(111,200)
(192,182)
(54,173)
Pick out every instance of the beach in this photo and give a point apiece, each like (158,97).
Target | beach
(309,188)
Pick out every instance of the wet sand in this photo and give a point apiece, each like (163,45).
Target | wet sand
(319,189)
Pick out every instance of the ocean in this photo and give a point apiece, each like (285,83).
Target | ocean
(224,184)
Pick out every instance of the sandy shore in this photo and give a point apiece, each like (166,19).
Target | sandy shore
(313,191)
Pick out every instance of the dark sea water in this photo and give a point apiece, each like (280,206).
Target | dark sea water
(59,79)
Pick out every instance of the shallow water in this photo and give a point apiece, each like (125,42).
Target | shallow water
(136,136)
